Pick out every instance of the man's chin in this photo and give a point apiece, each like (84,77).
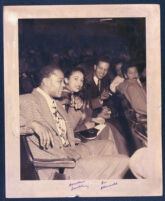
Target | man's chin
(57,96)
(100,78)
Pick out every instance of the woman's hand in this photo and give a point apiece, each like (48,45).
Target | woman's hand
(76,102)
(90,124)
(105,113)
(99,120)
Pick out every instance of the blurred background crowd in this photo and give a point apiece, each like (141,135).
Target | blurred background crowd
(78,42)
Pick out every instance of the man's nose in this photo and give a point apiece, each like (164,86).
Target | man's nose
(104,71)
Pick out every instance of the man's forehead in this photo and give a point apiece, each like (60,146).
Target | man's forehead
(132,68)
(58,74)
(103,63)
(118,65)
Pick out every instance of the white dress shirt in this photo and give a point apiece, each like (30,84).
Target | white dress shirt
(96,80)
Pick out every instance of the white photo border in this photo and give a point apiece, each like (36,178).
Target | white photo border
(16,188)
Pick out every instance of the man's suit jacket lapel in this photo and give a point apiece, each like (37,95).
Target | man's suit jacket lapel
(48,115)
(45,109)
(94,87)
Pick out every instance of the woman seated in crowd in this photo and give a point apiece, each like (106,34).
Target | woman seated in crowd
(132,89)
(81,114)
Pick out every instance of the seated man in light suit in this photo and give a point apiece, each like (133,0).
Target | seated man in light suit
(42,115)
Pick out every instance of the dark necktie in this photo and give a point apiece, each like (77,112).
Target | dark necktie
(99,85)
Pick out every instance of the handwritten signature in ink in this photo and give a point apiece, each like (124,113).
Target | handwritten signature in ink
(78,184)
(105,184)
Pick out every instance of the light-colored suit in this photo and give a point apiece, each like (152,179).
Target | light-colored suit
(94,160)
(135,94)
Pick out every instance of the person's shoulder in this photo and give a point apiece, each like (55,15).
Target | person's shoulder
(122,84)
(26,97)
(117,79)
(89,77)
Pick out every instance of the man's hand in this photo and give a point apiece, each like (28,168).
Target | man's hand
(105,94)
(44,134)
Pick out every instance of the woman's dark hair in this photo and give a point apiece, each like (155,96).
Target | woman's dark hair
(44,72)
(69,71)
(128,65)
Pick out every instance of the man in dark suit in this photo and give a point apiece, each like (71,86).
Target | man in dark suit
(52,137)
(101,101)
(97,87)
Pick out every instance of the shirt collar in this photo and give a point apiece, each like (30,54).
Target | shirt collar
(51,102)
(95,79)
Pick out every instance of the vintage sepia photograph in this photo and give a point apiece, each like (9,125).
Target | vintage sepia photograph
(102,90)
(86,108)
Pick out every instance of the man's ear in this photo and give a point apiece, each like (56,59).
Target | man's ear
(95,67)
(45,81)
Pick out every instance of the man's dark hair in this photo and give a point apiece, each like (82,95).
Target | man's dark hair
(128,65)
(44,72)
(115,62)
(103,58)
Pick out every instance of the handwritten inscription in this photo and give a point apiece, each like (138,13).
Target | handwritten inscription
(77,185)
(82,184)
(105,184)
